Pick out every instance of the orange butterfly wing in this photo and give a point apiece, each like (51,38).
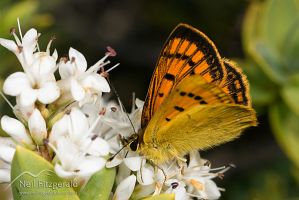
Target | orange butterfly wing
(187,51)
(236,84)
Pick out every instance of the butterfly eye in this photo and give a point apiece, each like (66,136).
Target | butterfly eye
(134,145)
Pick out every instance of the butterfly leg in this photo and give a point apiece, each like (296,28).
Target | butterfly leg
(141,176)
(157,166)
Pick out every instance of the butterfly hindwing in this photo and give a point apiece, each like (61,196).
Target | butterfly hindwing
(202,127)
(236,84)
(186,52)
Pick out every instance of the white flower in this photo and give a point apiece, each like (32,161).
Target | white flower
(80,151)
(17,131)
(125,189)
(7,151)
(198,177)
(37,127)
(84,85)
(75,163)
(37,82)
(22,49)
(178,188)
(4,172)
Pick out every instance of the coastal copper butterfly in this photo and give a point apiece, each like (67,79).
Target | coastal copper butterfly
(196,99)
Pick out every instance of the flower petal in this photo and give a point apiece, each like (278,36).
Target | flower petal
(65,69)
(59,129)
(42,66)
(181,194)
(99,147)
(68,154)
(48,93)
(55,55)
(7,153)
(15,129)
(9,44)
(212,190)
(37,127)
(139,103)
(133,163)
(63,173)
(79,60)
(77,90)
(29,40)
(21,110)
(28,97)
(97,82)
(16,83)
(29,43)
(125,189)
(145,175)
(114,162)
(90,165)
(4,175)
(78,127)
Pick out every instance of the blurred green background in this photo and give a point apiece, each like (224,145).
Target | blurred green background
(262,36)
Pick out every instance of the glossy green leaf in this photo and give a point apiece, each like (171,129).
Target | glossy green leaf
(99,185)
(34,178)
(268,59)
(161,197)
(285,126)
(265,31)
(279,18)
(290,49)
(290,93)
(256,43)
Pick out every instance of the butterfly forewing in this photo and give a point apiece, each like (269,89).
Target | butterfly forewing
(186,52)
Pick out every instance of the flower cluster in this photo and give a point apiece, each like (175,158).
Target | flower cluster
(72,125)
(50,116)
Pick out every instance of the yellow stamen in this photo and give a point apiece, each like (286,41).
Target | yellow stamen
(197,184)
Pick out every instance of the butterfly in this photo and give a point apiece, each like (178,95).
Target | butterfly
(196,99)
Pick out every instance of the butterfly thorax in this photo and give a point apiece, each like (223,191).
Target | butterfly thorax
(150,151)
(157,155)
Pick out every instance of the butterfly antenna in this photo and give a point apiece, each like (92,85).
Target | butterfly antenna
(121,104)
(112,157)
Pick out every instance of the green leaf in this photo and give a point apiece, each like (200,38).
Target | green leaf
(285,127)
(161,197)
(290,93)
(269,61)
(256,43)
(265,31)
(279,17)
(291,48)
(99,185)
(33,178)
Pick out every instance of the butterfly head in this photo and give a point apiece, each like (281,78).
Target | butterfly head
(132,142)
